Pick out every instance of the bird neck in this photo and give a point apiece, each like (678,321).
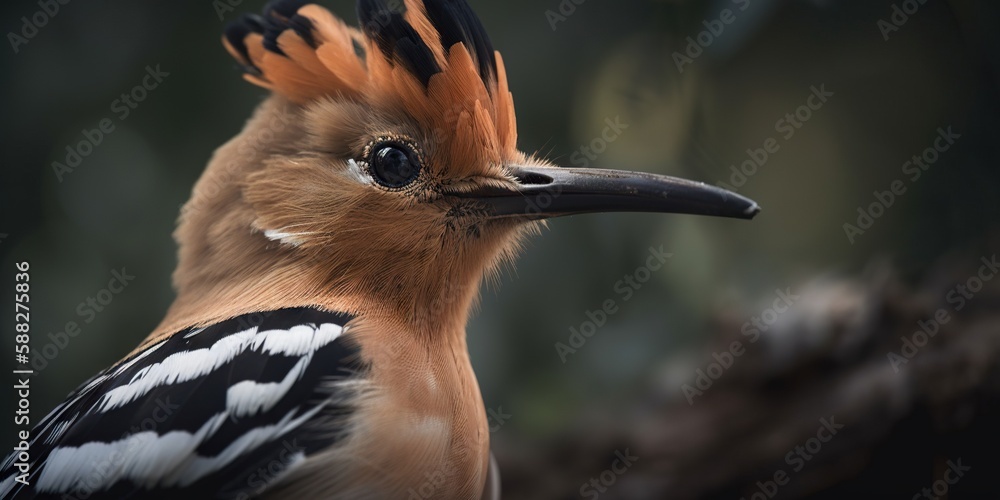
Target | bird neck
(433,302)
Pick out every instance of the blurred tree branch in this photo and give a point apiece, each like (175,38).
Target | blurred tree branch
(757,429)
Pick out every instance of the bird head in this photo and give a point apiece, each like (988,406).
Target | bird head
(394,171)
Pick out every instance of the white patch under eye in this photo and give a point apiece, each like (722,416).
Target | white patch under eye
(293,239)
(358,173)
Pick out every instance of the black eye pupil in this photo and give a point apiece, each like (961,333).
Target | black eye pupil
(394,165)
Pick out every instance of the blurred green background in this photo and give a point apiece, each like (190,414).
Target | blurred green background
(603,60)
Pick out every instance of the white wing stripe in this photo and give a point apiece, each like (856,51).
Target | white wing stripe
(149,459)
(7,485)
(297,340)
(179,367)
(247,398)
(59,429)
(142,457)
(194,332)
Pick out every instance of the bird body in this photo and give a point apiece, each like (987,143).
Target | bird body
(329,257)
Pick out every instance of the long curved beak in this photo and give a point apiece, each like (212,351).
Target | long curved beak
(545,192)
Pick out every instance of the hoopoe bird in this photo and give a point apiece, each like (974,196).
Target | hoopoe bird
(329,257)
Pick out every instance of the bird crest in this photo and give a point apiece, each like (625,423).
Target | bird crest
(430,58)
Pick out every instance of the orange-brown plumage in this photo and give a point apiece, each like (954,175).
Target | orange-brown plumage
(398,260)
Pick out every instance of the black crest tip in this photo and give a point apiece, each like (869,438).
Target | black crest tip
(457,22)
(236,32)
(397,40)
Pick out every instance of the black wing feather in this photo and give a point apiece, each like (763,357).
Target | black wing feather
(186,406)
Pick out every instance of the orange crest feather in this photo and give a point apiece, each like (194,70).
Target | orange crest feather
(434,62)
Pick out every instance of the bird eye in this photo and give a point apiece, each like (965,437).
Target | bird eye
(393,165)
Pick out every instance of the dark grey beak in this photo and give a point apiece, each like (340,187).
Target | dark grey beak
(545,192)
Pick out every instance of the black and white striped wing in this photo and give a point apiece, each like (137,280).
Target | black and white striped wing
(215,412)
